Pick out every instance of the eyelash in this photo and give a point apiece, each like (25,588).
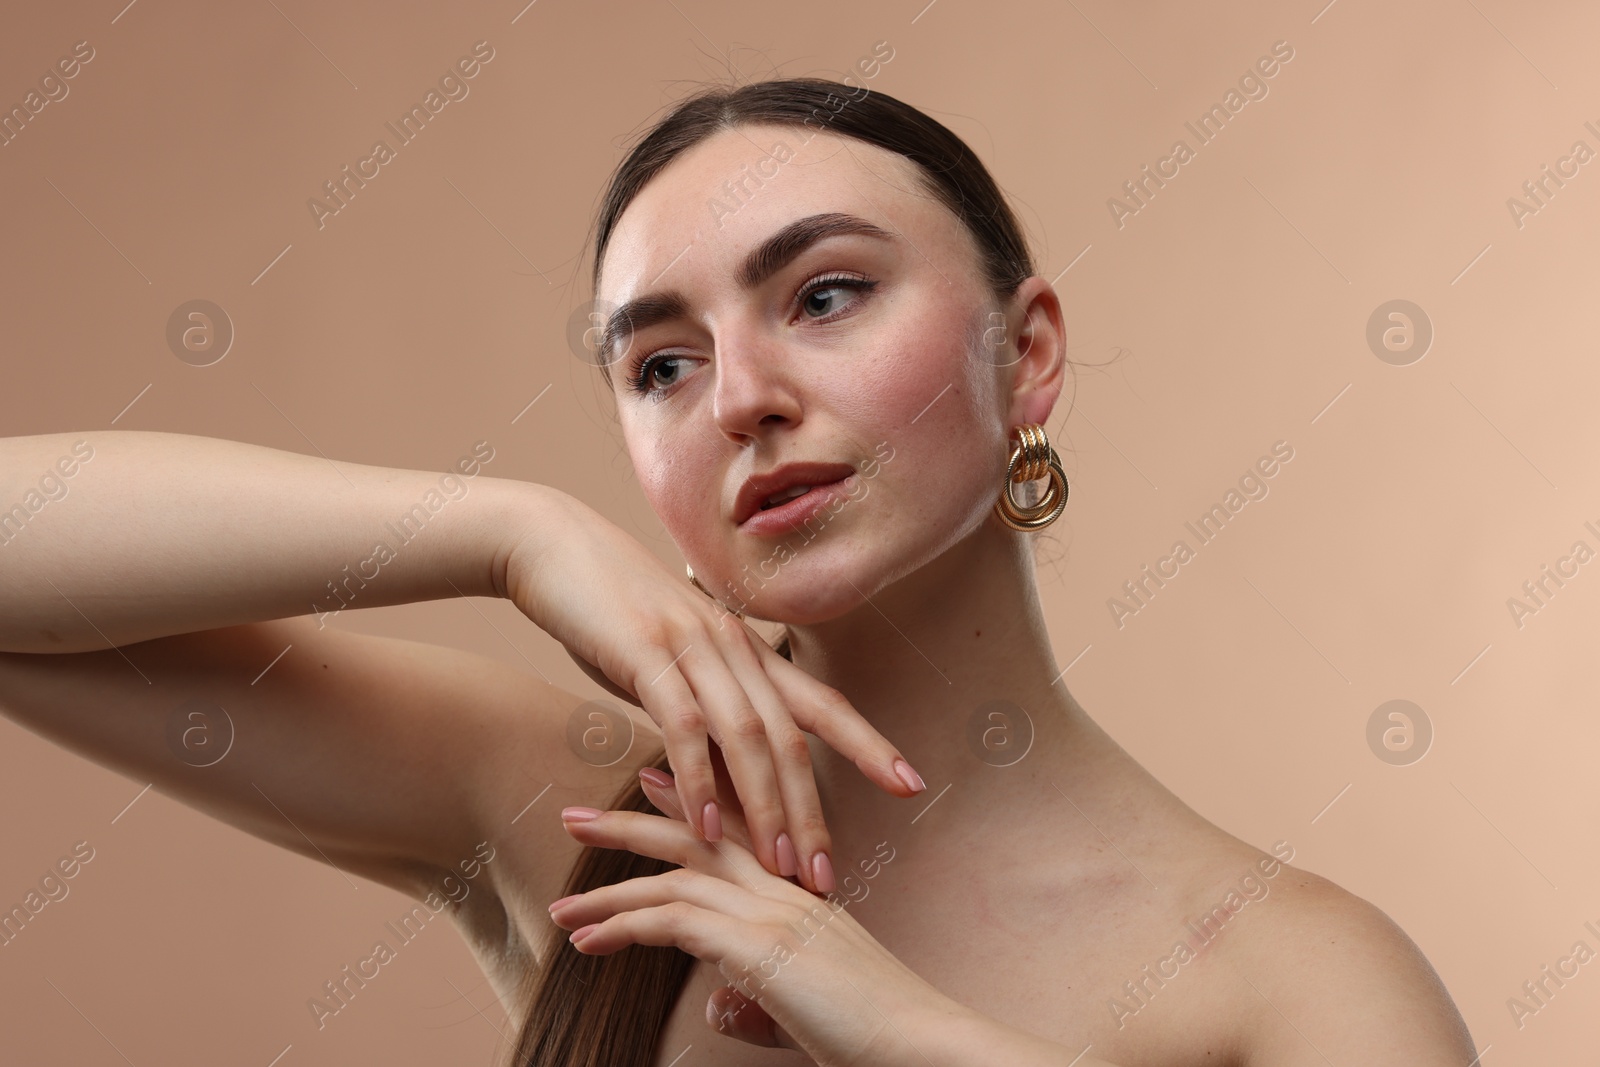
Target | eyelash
(639,377)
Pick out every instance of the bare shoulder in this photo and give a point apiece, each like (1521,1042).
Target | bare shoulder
(1327,976)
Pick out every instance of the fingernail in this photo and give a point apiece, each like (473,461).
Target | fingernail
(564,901)
(787,863)
(582,932)
(579,814)
(711,819)
(656,778)
(911,778)
(822,872)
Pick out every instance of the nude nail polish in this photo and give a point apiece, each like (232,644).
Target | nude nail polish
(787,863)
(911,778)
(711,819)
(822,872)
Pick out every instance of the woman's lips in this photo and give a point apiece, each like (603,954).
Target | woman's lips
(789,515)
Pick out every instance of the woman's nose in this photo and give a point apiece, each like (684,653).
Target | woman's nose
(752,388)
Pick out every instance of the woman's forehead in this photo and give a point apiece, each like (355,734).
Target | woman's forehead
(723,197)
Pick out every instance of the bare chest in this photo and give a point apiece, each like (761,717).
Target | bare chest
(1090,968)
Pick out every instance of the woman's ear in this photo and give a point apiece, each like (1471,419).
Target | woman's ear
(1039,370)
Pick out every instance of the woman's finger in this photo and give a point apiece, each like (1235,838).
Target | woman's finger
(822,710)
(742,732)
(770,940)
(669,840)
(802,846)
(670,701)
(660,790)
(706,934)
(702,890)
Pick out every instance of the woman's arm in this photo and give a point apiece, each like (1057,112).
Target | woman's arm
(387,759)
(129,537)
(152,534)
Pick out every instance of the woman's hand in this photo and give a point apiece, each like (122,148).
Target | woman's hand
(735,1014)
(697,672)
(803,973)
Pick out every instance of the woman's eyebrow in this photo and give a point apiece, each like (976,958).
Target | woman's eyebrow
(771,256)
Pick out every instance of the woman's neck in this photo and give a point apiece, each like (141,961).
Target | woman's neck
(953,665)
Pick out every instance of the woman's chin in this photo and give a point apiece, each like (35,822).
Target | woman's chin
(797,606)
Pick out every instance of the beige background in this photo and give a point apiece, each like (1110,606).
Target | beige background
(433,309)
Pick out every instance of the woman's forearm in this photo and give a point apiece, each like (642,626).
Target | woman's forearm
(113,537)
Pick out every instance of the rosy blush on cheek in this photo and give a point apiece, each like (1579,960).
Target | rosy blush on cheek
(679,473)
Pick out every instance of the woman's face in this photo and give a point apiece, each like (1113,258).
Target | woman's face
(855,350)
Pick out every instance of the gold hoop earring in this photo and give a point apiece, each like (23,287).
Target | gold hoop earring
(1032,458)
(696,583)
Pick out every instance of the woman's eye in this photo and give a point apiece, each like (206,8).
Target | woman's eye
(650,378)
(657,374)
(829,290)
(827,293)
(658,377)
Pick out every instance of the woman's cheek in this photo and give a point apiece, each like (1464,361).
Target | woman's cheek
(686,509)
(923,364)
(898,386)
(679,487)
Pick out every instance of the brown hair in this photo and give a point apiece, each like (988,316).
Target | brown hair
(609,1011)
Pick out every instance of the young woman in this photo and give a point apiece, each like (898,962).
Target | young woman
(832,358)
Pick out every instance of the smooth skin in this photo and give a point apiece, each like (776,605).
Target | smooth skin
(1029,893)
(1026,894)
(195,555)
